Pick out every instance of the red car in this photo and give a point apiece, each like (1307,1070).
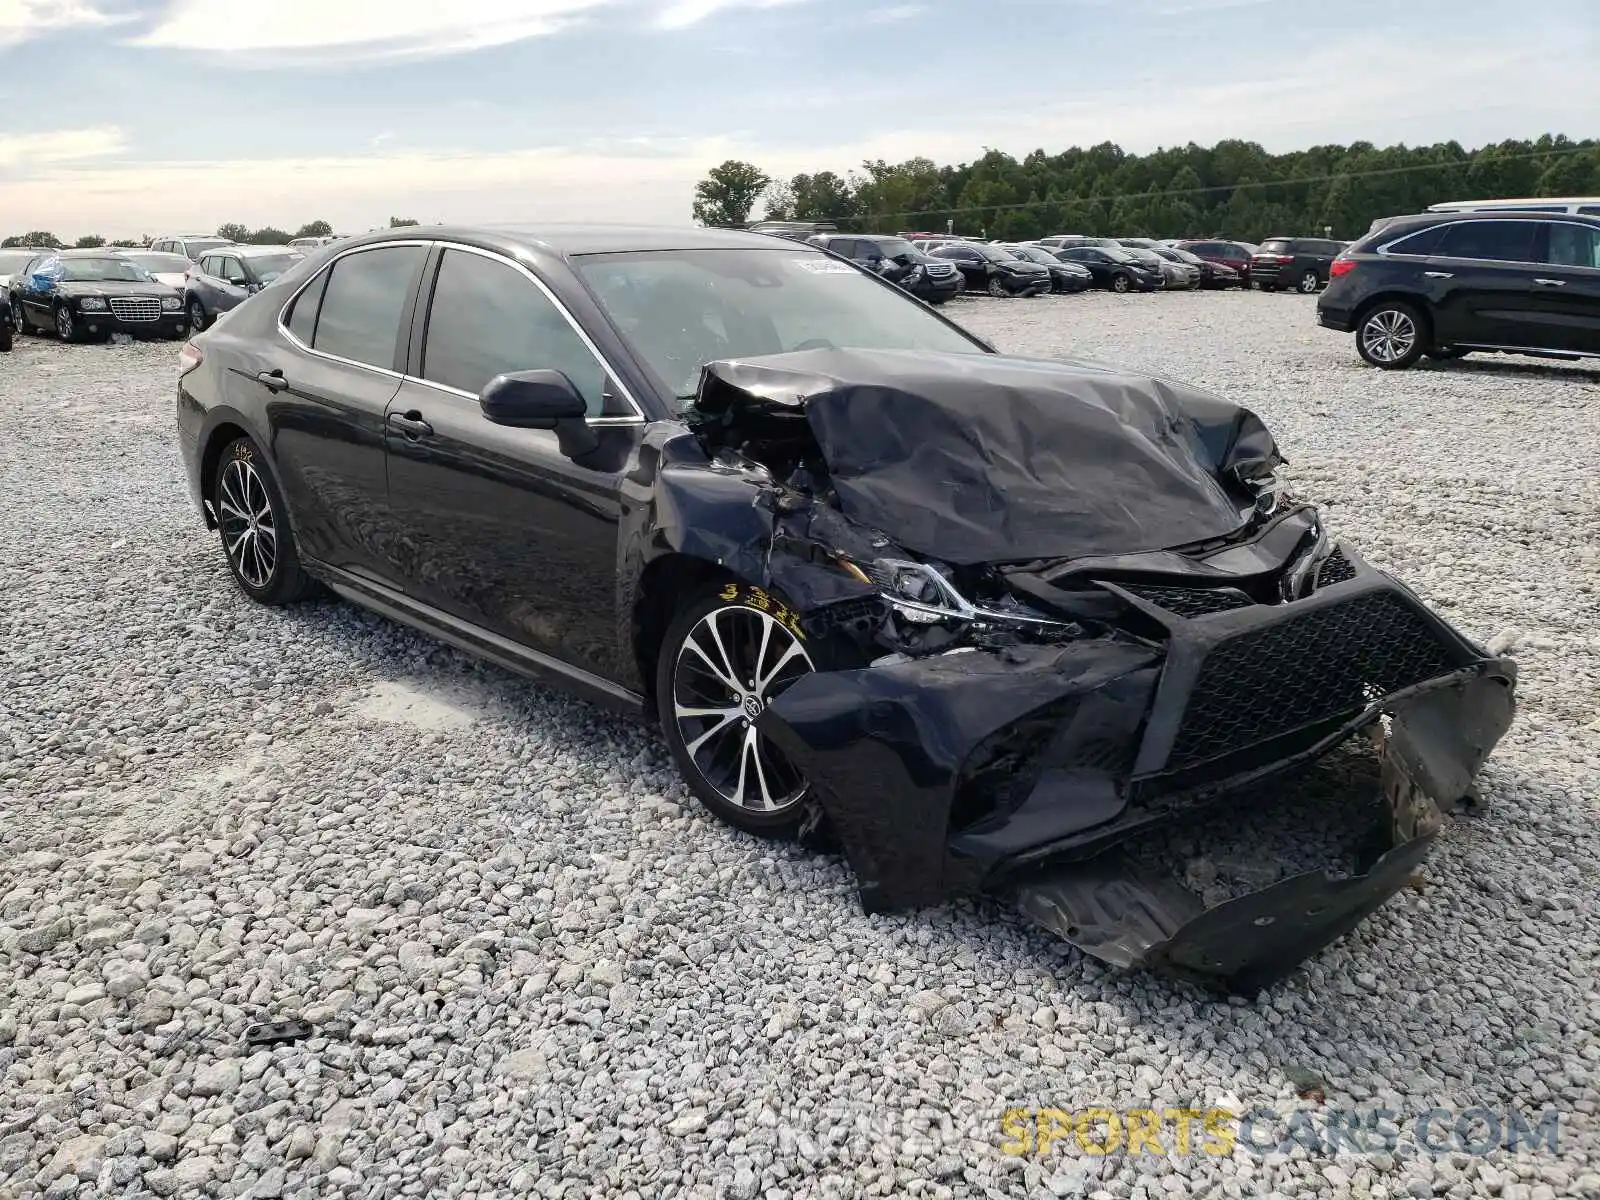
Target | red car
(1233,254)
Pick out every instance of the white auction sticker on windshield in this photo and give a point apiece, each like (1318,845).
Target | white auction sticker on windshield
(824,266)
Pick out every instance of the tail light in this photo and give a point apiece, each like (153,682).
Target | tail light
(1340,267)
(189,358)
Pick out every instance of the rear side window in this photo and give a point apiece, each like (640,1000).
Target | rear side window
(362,302)
(1574,245)
(1592,210)
(1497,241)
(1423,243)
(302,318)
(487,318)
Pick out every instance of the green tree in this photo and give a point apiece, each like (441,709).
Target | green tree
(38,238)
(822,197)
(401,223)
(728,193)
(128,243)
(89,241)
(315,229)
(267,236)
(234,232)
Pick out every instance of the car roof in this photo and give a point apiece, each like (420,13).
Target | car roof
(582,239)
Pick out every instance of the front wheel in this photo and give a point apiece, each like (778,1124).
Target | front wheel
(66,327)
(1309,283)
(1391,336)
(1121,283)
(728,653)
(19,320)
(254,523)
(997,288)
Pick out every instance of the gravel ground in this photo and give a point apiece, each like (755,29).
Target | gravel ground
(534,967)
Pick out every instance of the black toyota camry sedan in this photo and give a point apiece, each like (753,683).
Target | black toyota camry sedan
(977,620)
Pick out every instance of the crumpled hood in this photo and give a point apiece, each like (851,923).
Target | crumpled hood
(980,458)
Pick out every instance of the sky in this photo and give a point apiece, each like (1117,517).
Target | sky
(127,117)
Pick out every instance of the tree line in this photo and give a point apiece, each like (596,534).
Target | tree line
(1233,189)
(267,235)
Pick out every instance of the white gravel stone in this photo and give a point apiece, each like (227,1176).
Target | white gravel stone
(570,979)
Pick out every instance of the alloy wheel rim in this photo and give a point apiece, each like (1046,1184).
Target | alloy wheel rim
(64,323)
(1120,283)
(197,315)
(17,319)
(1389,335)
(249,532)
(1308,283)
(730,667)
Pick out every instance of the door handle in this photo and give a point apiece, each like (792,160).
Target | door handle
(272,380)
(1438,274)
(1550,282)
(411,424)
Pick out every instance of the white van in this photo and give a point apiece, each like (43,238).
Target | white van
(1588,205)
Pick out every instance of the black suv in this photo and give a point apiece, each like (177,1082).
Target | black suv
(1444,284)
(898,261)
(1300,263)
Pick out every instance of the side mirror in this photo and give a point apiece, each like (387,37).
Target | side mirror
(540,400)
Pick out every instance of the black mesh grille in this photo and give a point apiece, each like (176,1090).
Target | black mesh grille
(1331,662)
(1190,602)
(1337,569)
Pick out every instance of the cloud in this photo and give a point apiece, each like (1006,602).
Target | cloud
(681,14)
(888,16)
(21,20)
(345,30)
(60,146)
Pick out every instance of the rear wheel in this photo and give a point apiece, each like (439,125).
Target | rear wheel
(1392,335)
(727,654)
(1309,283)
(197,315)
(253,521)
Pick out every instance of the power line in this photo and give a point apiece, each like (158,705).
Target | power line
(1234,187)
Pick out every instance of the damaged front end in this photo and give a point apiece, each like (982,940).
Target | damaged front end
(1070,608)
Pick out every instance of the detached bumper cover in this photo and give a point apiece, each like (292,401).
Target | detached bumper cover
(1023,771)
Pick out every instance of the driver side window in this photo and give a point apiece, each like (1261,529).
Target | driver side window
(487,318)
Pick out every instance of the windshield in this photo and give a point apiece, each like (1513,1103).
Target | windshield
(12,261)
(1033,254)
(162,262)
(680,309)
(1117,254)
(1194,260)
(269,266)
(898,248)
(92,270)
(995,254)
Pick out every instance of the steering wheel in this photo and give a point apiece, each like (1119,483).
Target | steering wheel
(816,343)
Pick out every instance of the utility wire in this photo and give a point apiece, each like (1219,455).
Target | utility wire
(1233,187)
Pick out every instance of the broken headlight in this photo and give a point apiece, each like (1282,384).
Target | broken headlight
(922,594)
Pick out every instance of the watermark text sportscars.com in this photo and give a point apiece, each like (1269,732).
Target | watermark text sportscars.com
(1222,1132)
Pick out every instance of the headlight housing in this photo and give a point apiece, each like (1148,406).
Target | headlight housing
(921,594)
(171,303)
(91,304)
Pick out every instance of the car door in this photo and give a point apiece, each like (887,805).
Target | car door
(1566,294)
(502,529)
(34,302)
(229,284)
(1483,271)
(325,387)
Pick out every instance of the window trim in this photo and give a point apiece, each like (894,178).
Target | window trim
(283,308)
(612,375)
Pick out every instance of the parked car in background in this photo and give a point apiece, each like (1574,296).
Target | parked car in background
(90,294)
(991,269)
(1113,268)
(1138,243)
(7,325)
(1300,263)
(226,275)
(190,245)
(898,261)
(1064,276)
(791,231)
(1175,276)
(170,269)
(1230,254)
(1212,275)
(1588,206)
(12,261)
(1445,285)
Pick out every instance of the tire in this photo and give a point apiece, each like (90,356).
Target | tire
(5,335)
(706,711)
(1121,284)
(1447,353)
(1309,283)
(66,327)
(19,318)
(1392,335)
(253,522)
(197,314)
(997,288)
